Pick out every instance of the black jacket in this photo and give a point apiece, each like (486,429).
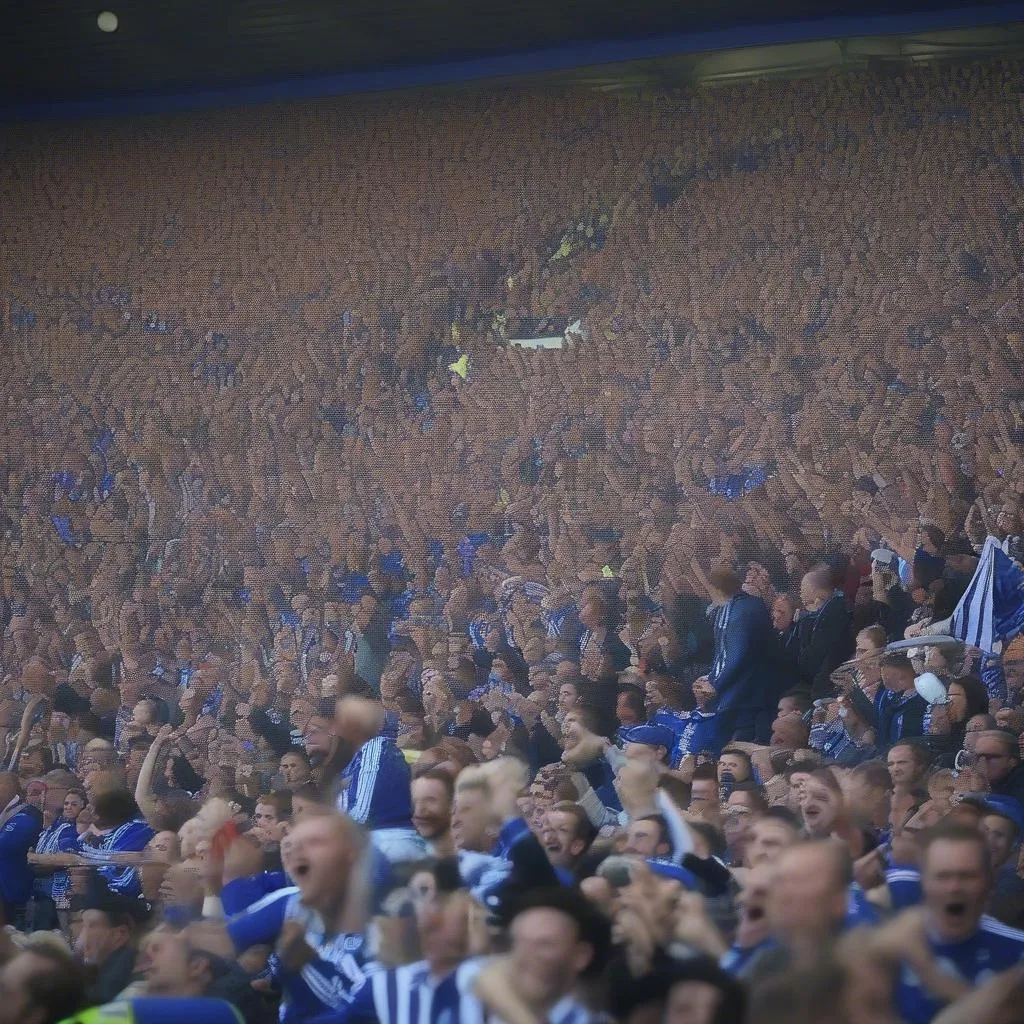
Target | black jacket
(231,983)
(894,616)
(112,978)
(826,641)
(1012,785)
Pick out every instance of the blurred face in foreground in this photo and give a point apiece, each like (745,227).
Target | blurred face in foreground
(319,856)
(820,807)
(444,924)
(753,926)
(955,879)
(768,839)
(808,898)
(17,1005)
(170,967)
(548,953)
(692,1002)
(431,808)
(471,821)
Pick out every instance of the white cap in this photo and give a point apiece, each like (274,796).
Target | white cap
(930,687)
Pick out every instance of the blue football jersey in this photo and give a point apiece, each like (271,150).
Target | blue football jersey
(994,947)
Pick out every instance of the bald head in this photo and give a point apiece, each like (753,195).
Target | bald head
(816,587)
(36,676)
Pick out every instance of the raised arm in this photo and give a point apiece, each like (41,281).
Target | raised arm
(144,795)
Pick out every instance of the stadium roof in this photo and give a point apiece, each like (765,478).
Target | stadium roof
(56,61)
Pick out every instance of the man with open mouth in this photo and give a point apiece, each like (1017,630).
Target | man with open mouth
(316,925)
(967,947)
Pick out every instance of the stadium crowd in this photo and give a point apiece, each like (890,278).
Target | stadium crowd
(360,664)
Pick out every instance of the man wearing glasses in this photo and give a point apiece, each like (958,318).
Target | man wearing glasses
(998,757)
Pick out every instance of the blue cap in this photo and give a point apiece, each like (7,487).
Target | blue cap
(1009,808)
(651,735)
(666,869)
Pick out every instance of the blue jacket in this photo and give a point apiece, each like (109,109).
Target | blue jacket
(747,669)
(17,837)
(699,733)
(375,786)
(898,716)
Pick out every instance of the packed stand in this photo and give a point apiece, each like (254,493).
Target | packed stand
(361,665)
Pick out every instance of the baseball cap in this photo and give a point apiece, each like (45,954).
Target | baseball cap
(1006,807)
(651,735)
(931,688)
(666,869)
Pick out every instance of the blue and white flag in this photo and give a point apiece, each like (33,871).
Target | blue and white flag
(992,608)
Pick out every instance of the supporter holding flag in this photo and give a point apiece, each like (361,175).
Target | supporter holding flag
(991,610)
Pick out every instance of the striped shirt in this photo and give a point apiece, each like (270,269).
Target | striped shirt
(455,1002)
(399,995)
(60,837)
(131,837)
(376,786)
(328,982)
